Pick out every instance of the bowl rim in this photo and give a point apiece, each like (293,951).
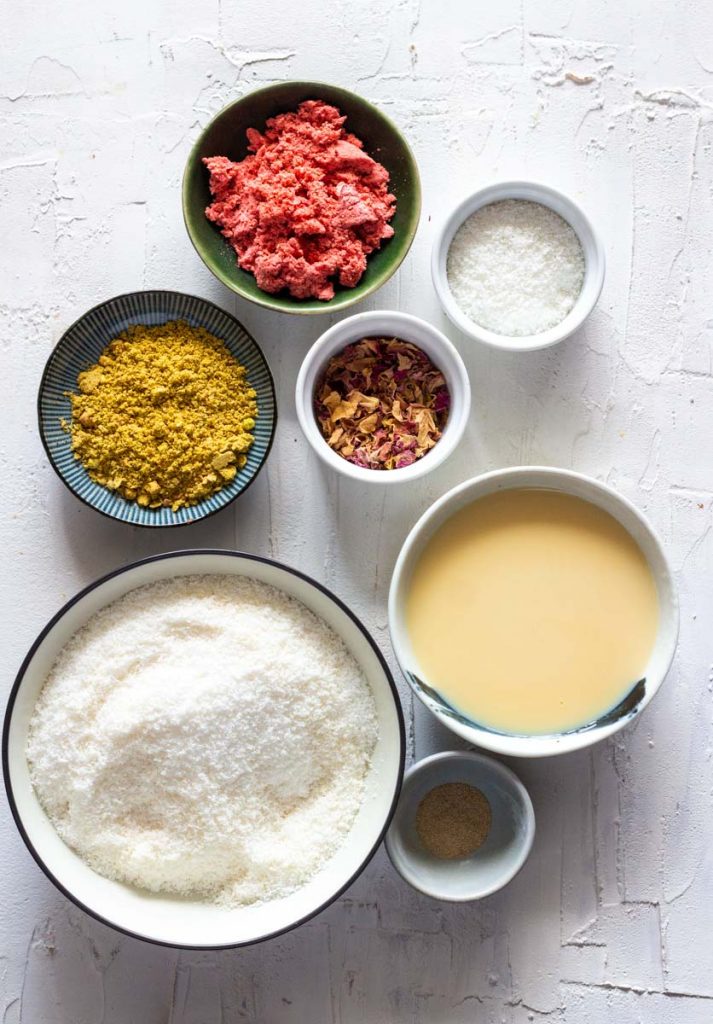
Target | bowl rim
(534,191)
(549,744)
(191,552)
(265,299)
(429,765)
(337,337)
(41,389)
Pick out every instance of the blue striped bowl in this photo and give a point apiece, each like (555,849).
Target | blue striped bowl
(81,345)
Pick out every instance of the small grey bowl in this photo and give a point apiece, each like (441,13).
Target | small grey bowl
(502,854)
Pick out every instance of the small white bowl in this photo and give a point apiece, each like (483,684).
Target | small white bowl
(594,262)
(502,854)
(582,487)
(173,921)
(391,324)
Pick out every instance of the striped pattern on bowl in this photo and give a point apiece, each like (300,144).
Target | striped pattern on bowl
(82,344)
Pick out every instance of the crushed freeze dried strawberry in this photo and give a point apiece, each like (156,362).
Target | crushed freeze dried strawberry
(306,206)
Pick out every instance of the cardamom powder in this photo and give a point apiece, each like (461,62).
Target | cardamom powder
(453,820)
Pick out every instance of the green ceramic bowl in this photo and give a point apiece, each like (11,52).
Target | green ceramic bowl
(81,345)
(225,136)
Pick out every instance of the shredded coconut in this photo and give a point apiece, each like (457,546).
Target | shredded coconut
(206,736)
(515,267)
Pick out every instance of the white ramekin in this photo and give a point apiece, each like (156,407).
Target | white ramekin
(566,207)
(384,323)
(570,483)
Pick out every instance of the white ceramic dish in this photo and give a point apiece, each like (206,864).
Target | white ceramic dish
(563,205)
(384,323)
(590,490)
(499,858)
(185,923)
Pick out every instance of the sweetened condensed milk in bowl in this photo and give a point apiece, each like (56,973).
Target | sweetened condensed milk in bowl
(533,611)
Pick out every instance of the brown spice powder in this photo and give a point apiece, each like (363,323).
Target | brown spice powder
(453,820)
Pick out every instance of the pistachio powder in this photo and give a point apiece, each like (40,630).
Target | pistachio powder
(165,415)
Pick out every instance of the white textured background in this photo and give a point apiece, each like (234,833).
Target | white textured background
(611,100)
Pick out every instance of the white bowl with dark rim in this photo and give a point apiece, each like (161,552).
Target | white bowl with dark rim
(572,213)
(181,922)
(384,324)
(567,482)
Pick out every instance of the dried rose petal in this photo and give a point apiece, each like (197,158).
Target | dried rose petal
(382,403)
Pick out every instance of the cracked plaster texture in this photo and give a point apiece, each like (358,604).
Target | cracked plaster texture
(611,101)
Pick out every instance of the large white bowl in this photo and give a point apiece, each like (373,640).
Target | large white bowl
(594,263)
(570,483)
(388,324)
(184,923)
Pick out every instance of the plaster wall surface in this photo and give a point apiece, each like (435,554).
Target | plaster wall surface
(611,101)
